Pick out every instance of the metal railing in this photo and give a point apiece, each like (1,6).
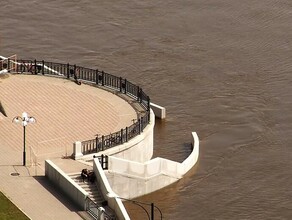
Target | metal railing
(103,79)
(103,160)
(92,209)
(108,141)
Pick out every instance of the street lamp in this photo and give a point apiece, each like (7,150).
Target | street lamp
(24,120)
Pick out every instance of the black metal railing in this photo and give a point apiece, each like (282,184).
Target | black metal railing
(108,141)
(92,209)
(103,79)
(103,160)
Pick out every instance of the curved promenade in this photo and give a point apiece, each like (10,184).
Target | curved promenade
(65,112)
(116,121)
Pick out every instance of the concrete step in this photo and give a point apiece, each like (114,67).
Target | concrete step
(93,192)
(97,201)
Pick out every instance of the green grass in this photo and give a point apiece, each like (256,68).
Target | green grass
(8,211)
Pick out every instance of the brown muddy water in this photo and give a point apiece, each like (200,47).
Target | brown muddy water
(221,68)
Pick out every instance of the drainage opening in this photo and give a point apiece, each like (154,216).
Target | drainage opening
(14,174)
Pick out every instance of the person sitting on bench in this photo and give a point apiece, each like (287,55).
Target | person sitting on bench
(84,174)
(91,177)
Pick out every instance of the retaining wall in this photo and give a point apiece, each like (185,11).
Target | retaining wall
(66,184)
(105,188)
(138,179)
(139,149)
(159,111)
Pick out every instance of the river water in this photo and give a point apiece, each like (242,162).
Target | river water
(221,68)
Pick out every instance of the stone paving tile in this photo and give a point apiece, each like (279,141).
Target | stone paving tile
(65,112)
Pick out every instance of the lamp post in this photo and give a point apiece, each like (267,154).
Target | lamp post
(24,119)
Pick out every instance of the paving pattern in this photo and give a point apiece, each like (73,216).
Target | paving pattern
(65,112)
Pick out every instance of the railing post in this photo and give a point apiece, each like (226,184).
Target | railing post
(141,92)
(96,143)
(35,67)
(102,161)
(110,140)
(16,66)
(75,71)
(148,103)
(102,142)
(106,162)
(125,86)
(121,84)
(127,134)
(122,136)
(102,74)
(8,65)
(138,93)
(68,70)
(43,67)
(96,76)
(21,66)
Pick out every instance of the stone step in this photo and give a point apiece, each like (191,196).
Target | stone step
(93,192)
(98,201)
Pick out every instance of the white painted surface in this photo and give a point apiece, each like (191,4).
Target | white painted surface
(113,201)
(159,111)
(139,149)
(77,150)
(3,71)
(66,184)
(138,179)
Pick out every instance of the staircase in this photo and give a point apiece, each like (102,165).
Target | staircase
(95,196)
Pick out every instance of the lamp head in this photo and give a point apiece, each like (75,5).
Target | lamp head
(24,116)
(16,119)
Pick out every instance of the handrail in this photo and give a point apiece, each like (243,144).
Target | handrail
(92,208)
(102,79)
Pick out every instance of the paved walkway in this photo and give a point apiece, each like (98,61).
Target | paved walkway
(65,112)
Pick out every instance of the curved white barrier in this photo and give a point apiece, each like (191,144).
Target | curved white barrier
(140,148)
(149,176)
(114,202)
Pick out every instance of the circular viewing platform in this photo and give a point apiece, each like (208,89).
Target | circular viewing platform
(65,112)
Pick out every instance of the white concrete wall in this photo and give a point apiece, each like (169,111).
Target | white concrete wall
(159,111)
(138,149)
(105,188)
(138,179)
(66,184)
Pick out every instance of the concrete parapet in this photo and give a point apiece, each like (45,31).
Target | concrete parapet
(113,201)
(77,152)
(66,184)
(191,160)
(139,179)
(159,111)
(139,149)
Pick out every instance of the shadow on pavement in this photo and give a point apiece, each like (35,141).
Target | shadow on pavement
(57,193)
